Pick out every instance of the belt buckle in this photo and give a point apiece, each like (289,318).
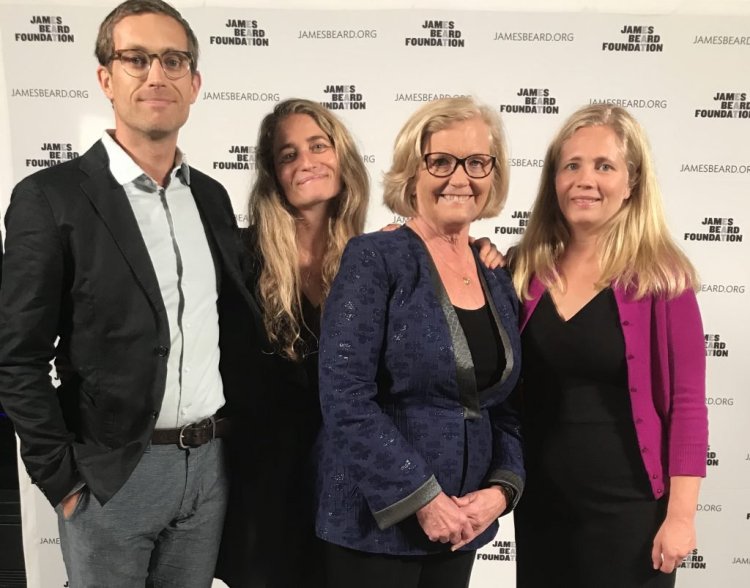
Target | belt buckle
(181,438)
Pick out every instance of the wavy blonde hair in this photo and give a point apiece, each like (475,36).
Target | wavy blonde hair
(636,250)
(279,283)
(400,180)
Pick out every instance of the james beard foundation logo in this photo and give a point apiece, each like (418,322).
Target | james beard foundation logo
(437,33)
(498,551)
(715,347)
(717,229)
(721,40)
(712,459)
(343,97)
(241,31)
(693,561)
(47,29)
(239,157)
(534,37)
(517,225)
(337,34)
(49,93)
(241,96)
(533,101)
(633,103)
(719,401)
(726,105)
(49,541)
(715,168)
(636,38)
(421,96)
(713,288)
(52,153)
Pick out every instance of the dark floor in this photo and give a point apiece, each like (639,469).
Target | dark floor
(12,574)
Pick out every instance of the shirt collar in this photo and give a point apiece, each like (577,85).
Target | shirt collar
(127,171)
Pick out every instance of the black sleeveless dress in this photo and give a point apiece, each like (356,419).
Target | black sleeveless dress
(588,517)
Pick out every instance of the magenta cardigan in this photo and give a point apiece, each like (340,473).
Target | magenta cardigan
(665,351)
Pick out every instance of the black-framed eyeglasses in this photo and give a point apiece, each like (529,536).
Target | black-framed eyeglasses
(442,165)
(137,63)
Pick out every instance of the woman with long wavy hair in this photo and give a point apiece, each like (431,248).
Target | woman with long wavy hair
(309,198)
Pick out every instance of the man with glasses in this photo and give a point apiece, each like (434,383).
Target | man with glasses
(128,258)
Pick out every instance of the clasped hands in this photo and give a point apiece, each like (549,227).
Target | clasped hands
(459,520)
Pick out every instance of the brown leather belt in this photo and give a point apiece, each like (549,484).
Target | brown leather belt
(192,435)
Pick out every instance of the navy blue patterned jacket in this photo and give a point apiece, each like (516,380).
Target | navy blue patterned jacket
(402,416)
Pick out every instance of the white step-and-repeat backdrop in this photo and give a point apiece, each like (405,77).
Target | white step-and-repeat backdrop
(683,71)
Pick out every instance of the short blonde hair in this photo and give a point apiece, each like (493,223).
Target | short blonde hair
(636,249)
(408,151)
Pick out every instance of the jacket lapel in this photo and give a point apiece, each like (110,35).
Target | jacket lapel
(224,237)
(111,203)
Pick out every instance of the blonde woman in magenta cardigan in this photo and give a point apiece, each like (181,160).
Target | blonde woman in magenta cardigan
(613,402)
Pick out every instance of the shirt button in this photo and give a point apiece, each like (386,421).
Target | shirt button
(162,351)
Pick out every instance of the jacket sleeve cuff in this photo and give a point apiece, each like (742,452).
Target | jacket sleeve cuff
(512,481)
(408,505)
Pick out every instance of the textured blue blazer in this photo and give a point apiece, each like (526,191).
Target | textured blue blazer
(402,417)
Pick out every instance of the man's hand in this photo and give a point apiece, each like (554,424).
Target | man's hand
(69,503)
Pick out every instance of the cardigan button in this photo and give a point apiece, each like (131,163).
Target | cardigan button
(659,490)
(638,421)
(631,356)
(644,449)
(633,389)
(626,323)
(655,476)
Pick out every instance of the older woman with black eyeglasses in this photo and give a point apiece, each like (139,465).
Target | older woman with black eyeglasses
(419,353)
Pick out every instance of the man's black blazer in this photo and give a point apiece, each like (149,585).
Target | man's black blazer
(76,267)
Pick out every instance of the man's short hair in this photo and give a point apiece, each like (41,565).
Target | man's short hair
(105,45)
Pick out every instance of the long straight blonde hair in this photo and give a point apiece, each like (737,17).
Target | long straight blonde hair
(636,251)
(279,283)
